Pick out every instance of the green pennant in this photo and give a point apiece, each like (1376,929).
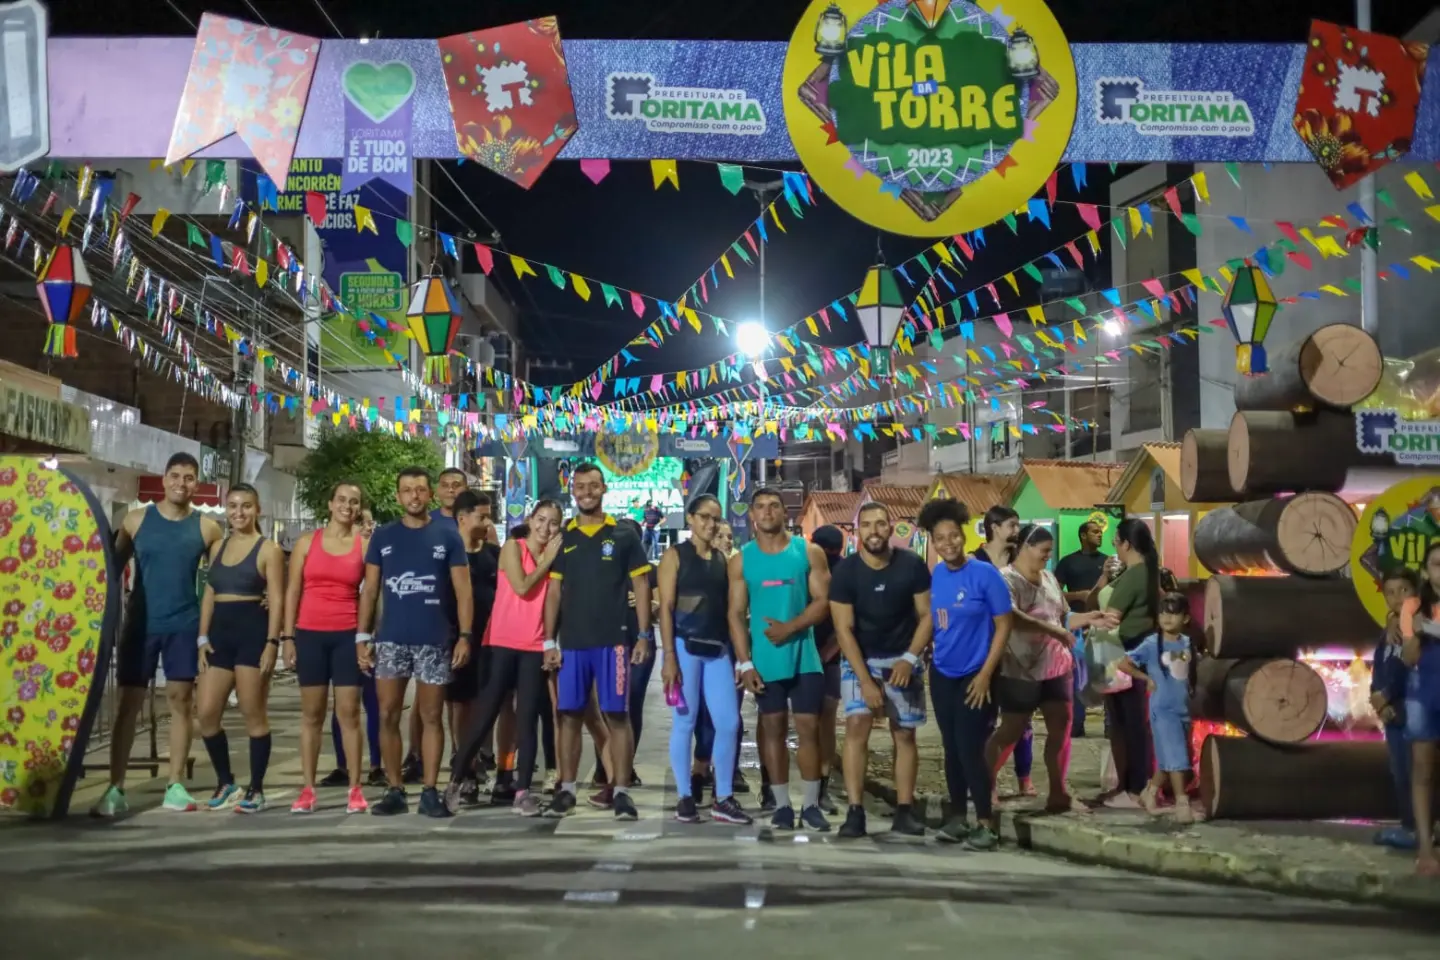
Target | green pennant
(740,251)
(557,276)
(732,177)
(937,340)
(795,206)
(214,174)
(1033,272)
(54,170)
(1397,223)
(1192,223)
(1286,244)
(1009,219)
(1236,264)
(1234,170)
(612,297)
(1074,304)
(1112,167)
(404,232)
(924,263)
(1117,223)
(1384,197)
(193,235)
(1350,283)
(1372,238)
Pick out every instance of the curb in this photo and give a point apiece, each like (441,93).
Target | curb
(1071,840)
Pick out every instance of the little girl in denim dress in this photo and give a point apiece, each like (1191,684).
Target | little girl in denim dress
(1163,661)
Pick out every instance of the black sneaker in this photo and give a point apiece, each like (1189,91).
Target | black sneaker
(729,811)
(335,778)
(685,810)
(741,785)
(784,819)
(906,824)
(392,804)
(503,793)
(854,826)
(469,793)
(412,770)
(814,820)
(826,804)
(767,799)
(697,788)
(377,777)
(624,807)
(432,806)
(561,806)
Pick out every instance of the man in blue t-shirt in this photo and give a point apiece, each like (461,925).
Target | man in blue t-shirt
(421,565)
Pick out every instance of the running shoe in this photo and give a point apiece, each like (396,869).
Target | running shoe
(412,770)
(685,810)
(432,806)
(503,793)
(335,778)
(814,820)
(254,801)
(767,799)
(393,803)
(305,803)
(625,807)
(729,811)
(826,804)
(225,795)
(854,825)
(377,777)
(453,795)
(469,793)
(981,838)
(526,804)
(111,804)
(177,798)
(784,819)
(604,799)
(1397,837)
(357,802)
(955,830)
(906,824)
(562,805)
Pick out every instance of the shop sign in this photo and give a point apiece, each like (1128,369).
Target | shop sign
(1413,443)
(43,420)
(641,98)
(1172,113)
(214,465)
(1395,531)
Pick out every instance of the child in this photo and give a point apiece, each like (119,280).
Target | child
(1162,660)
(1387,695)
(1420,627)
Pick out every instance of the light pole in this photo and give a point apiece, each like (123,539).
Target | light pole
(764,193)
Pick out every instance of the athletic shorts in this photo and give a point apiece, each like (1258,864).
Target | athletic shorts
(606,669)
(427,663)
(905,706)
(326,658)
(802,693)
(140,654)
(1422,721)
(467,682)
(832,679)
(238,631)
(1026,696)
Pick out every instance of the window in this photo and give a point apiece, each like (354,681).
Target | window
(1000,440)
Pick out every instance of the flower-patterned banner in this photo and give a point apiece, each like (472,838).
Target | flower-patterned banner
(249,80)
(59,604)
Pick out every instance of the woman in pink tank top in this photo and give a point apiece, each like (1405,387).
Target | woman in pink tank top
(321,613)
(516,638)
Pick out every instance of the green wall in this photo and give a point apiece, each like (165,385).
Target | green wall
(1065,523)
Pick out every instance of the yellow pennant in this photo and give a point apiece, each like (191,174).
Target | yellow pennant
(1136,224)
(158,223)
(1010,279)
(1331,288)
(662,171)
(518,264)
(1036,314)
(65,219)
(262,271)
(581,287)
(1418,184)
(1202,186)
(365,220)
(725,262)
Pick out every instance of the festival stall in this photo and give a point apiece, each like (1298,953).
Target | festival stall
(979,492)
(1149,489)
(1060,495)
(831,508)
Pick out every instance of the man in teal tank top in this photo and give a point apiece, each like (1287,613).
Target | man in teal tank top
(168,541)
(779,592)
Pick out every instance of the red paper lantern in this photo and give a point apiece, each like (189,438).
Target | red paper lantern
(64,288)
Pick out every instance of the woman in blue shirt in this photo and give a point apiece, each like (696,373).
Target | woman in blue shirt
(970,606)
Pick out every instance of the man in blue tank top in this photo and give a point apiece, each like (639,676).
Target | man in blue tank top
(779,591)
(162,625)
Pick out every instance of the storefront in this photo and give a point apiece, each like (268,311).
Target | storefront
(34,420)
(1060,495)
(1149,490)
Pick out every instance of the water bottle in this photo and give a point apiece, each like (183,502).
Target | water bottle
(675,697)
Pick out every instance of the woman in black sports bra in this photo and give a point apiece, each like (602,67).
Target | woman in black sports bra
(240,622)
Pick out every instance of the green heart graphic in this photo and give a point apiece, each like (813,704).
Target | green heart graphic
(378,89)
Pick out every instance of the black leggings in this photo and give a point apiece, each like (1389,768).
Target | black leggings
(963,730)
(522,674)
(1128,715)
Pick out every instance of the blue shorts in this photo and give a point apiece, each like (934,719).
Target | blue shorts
(139,654)
(606,669)
(905,706)
(1422,722)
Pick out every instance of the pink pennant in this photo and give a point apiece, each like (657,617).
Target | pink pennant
(964,247)
(1051,186)
(1303,259)
(1002,320)
(825,317)
(1074,252)
(1005,348)
(596,170)
(751,240)
(657,383)
(1172,200)
(637,303)
(1154,287)
(990,289)
(1030,127)
(704,290)
(486,256)
(925,320)
(855,167)
(1090,214)
(595,389)
(1289,230)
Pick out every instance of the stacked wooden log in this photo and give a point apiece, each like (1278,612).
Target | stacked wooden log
(1280,558)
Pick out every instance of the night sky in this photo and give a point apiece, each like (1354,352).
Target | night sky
(625,232)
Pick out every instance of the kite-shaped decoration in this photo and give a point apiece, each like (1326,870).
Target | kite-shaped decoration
(510,97)
(1359,95)
(434,316)
(249,80)
(64,288)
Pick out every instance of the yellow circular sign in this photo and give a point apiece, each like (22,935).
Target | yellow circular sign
(929,117)
(1394,531)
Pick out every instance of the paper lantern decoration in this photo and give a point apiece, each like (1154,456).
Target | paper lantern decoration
(64,287)
(1249,307)
(881,309)
(434,315)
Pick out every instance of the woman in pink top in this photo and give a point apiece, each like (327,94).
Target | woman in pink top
(321,615)
(515,637)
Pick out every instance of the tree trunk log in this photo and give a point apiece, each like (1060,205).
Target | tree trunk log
(1336,366)
(1279,701)
(1280,616)
(1272,452)
(1204,467)
(1306,534)
(1242,778)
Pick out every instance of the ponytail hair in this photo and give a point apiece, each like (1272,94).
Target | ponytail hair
(1142,541)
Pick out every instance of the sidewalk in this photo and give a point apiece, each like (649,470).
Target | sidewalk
(1329,860)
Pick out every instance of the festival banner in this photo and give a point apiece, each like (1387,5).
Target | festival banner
(1395,531)
(378,124)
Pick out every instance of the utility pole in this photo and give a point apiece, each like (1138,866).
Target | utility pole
(764,193)
(1369,261)
(245,372)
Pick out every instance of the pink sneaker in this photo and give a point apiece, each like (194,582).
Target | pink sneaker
(358,803)
(305,803)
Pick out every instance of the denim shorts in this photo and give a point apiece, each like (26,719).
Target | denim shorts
(1422,721)
(905,706)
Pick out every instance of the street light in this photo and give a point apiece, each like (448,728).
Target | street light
(881,308)
(752,338)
